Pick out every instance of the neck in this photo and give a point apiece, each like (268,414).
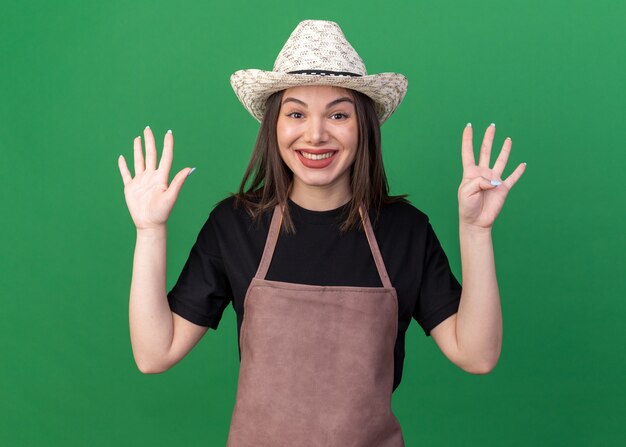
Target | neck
(319,198)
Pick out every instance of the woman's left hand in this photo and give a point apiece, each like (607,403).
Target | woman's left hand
(480,196)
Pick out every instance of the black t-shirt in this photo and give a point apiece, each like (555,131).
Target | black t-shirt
(227,252)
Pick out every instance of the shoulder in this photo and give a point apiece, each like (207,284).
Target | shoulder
(225,208)
(400,215)
(229,209)
(227,222)
(223,214)
(230,215)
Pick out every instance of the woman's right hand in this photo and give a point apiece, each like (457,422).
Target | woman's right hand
(148,197)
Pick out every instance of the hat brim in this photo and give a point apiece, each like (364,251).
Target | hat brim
(253,87)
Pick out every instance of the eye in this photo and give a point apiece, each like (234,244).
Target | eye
(296,115)
(338,116)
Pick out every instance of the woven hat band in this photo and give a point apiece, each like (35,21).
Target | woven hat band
(325,73)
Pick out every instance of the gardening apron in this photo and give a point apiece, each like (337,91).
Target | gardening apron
(316,362)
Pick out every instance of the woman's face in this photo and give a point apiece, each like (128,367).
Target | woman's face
(317,134)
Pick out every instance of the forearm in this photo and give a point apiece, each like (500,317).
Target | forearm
(479,318)
(150,318)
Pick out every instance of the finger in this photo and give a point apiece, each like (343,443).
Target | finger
(515,176)
(126,176)
(139,164)
(168,153)
(151,154)
(485,147)
(467,151)
(503,157)
(477,185)
(177,184)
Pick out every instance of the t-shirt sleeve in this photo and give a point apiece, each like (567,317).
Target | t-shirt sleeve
(202,291)
(440,292)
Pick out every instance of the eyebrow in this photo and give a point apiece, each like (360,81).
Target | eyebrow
(328,106)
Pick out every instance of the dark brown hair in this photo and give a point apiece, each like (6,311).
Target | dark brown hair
(267,180)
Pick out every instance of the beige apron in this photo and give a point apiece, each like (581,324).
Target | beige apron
(316,362)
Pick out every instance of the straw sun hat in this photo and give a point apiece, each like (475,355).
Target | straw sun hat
(317,53)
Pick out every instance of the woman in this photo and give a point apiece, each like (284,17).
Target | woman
(324,269)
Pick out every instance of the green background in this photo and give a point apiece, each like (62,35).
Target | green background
(79,80)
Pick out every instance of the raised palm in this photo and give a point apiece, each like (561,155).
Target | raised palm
(149,198)
(480,201)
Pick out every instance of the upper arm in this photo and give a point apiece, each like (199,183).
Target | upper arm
(444,335)
(186,336)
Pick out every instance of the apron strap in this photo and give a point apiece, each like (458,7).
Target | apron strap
(378,258)
(270,243)
(272,237)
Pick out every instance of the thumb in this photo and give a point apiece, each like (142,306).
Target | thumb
(480,184)
(177,183)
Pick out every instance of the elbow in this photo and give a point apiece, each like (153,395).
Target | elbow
(482,363)
(482,367)
(149,369)
(146,366)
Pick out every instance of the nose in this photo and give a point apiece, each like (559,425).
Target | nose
(316,131)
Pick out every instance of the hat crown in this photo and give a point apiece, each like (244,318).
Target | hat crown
(319,45)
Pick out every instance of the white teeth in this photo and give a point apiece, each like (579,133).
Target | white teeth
(317,156)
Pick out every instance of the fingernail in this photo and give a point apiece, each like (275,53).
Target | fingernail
(169,131)
(495,182)
(492,125)
(190,172)
(147,127)
(468,125)
(508,138)
(524,163)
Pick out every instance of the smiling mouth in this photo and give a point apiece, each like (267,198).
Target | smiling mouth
(316,159)
(312,156)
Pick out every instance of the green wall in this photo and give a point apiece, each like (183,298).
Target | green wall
(79,80)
